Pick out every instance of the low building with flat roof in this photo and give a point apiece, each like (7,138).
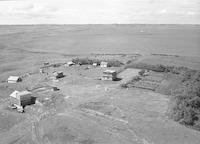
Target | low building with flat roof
(14,79)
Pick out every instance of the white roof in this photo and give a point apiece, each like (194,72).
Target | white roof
(17,94)
(109,71)
(104,62)
(13,78)
(70,62)
(14,94)
(56,72)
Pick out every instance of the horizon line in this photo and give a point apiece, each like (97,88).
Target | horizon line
(107,24)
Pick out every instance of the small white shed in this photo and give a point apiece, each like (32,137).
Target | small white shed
(14,79)
(94,64)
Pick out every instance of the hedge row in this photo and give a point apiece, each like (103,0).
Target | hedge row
(158,68)
(87,61)
(185,102)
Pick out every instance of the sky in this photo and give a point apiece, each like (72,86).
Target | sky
(99,11)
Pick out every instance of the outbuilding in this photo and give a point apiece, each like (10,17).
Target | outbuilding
(109,75)
(94,64)
(104,64)
(20,99)
(14,79)
(58,74)
(68,64)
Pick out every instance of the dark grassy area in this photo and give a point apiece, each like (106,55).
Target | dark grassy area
(88,61)
(159,68)
(185,102)
(184,105)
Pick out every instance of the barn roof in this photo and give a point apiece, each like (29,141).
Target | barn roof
(104,63)
(13,78)
(16,94)
(110,71)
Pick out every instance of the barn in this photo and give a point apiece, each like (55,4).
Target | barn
(21,98)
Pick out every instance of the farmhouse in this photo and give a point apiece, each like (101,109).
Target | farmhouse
(14,79)
(104,64)
(109,75)
(20,99)
(58,74)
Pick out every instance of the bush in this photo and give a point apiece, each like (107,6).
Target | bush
(185,104)
(159,68)
(114,63)
(83,61)
(129,61)
(141,73)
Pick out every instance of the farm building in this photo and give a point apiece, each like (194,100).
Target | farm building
(14,79)
(55,89)
(104,64)
(94,64)
(68,64)
(58,74)
(41,70)
(19,99)
(109,75)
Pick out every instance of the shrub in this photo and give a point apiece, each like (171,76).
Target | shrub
(114,63)
(124,85)
(129,61)
(141,73)
(83,61)
(185,104)
(159,68)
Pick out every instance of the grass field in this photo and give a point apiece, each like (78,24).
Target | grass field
(87,110)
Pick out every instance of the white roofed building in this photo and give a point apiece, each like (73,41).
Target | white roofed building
(14,79)
(104,64)
(21,98)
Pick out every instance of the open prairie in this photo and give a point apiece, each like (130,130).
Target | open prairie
(181,40)
(87,110)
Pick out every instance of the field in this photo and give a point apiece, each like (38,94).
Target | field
(86,110)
